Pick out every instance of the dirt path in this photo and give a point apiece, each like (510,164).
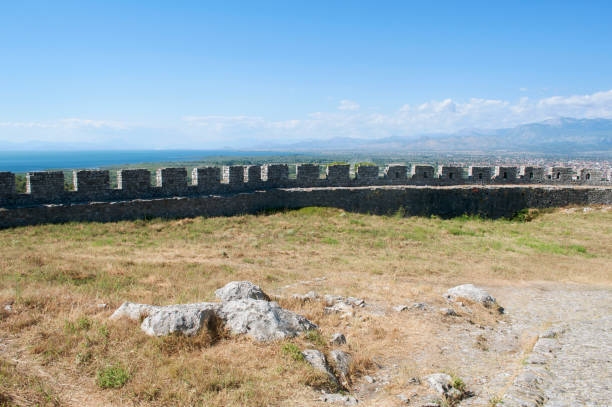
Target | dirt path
(552,350)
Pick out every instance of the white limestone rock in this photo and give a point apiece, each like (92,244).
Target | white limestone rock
(239,290)
(317,360)
(262,320)
(188,321)
(472,293)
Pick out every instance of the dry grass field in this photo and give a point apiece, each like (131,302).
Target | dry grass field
(58,347)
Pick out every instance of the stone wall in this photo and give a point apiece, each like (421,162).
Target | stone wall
(48,187)
(486,201)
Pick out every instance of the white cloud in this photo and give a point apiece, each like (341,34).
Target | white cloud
(348,105)
(211,131)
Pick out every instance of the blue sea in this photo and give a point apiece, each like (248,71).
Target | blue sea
(23,161)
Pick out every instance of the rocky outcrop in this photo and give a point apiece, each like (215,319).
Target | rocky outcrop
(260,319)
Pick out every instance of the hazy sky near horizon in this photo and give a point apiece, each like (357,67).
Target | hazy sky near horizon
(210,74)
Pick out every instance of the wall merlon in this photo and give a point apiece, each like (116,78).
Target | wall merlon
(45,184)
(505,174)
(396,172)
(134,180)
(233,175)
(422,173)
(173,180)
(307,173)
(532,174)
(366,173)
(480,174)
(275,174)
(90,180)
(252,174)
(561,174)
(7,183)
(206,177)
(451,173)
(338,174)
(591,175)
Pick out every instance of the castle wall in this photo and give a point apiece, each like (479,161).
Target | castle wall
(486,201)
(48,187)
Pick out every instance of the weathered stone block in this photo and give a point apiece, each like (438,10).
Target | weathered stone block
(422,172)
(45,183)
(136,180)
(252,173)
(172,179)
(338,174)
(505,174)
(206,177)
(307,173)
(233,175)
(90,181)
(275,173)
(367,173)
(7,183)
(396,172)
(480,174)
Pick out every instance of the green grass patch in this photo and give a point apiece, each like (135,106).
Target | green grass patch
(112,377)
(291,350)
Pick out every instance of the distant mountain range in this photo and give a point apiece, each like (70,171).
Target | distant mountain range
(564,135)
(557,136)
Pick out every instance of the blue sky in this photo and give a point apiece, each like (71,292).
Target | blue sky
(210,74)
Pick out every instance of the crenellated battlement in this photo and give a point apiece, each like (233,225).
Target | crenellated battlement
(87,185)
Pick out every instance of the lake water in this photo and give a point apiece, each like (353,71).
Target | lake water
(23,161)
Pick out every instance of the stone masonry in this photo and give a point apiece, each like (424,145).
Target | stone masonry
(47,188)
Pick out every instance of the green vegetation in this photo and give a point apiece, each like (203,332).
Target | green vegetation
(112,377)
(292,350)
